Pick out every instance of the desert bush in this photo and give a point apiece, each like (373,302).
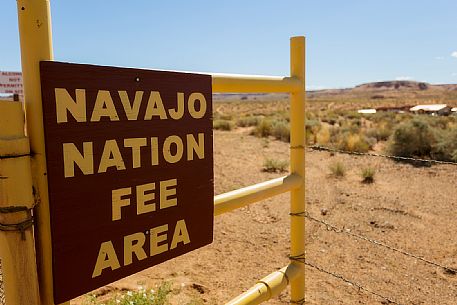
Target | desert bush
(329,116)
(310,115)
(414,138)
(222,116)
(264,128)
(353,115)
(350,126)
(335,134)
(283,115)
(312,124)
(278,128)
(382,132)
(383,116)
(354,143)
(222,125)
(281,131)
(445,148)
(323,136)
(248,121)
(337,169)
(312,127)
(440,122)
(367,174)
(140,297)
(310,137)
(275,166)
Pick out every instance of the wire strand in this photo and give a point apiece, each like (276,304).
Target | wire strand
(344,279)
(398,158)
(335,229)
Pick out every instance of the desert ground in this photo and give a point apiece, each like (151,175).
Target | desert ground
(407,207)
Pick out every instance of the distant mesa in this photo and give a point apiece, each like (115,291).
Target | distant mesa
(394,85)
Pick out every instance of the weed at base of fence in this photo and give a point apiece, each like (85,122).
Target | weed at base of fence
(140,297)
(275,166)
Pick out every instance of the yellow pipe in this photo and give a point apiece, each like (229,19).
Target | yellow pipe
(250,84)
(297,163)
(268,287)
(227,202)
(17,249)
(34,18)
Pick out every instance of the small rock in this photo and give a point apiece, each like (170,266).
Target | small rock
(324,212)
(200,288)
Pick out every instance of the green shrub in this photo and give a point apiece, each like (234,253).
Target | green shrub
(275,166)
(353,115)
(281,131)
(248,121)
(445,148)
(354,143)
(383,116)
(414,138)
(312,127)
(323,136)
(337,169)
(140,297)
(367,174)
(222,125)
(380,133)
(312,124)
(226,117)
(350,126)
(310,138)
(263,129)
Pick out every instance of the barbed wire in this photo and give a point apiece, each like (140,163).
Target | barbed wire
(375,242)
(398,158)
(302,259)
(335,229)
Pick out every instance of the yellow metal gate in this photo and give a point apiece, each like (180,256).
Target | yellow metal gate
(294,273)
(36,46)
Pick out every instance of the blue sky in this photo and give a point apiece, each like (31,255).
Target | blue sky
(348,42)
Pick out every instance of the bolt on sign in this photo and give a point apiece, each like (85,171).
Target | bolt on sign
(130,170)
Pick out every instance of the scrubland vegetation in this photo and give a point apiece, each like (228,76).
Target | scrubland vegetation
(400,134)
(367,174)
(140,297)
(275,166)
(337,169)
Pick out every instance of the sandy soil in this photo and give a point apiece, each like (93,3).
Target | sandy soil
(407,207)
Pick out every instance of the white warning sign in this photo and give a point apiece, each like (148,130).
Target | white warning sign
(11,82)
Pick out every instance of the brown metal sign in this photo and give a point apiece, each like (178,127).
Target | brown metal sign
(130,170)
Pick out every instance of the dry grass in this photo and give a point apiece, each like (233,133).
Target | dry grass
(337,169)
(275,166)
(367,175)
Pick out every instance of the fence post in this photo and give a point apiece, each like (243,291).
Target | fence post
(34,18)
(17,248)
(297,166)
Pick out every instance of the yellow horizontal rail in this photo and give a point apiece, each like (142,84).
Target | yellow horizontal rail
(268,287)
(254,84)
(227,202)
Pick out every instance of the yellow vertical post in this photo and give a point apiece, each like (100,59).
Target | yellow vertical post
(297,165)
(34,18)
(17,248)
